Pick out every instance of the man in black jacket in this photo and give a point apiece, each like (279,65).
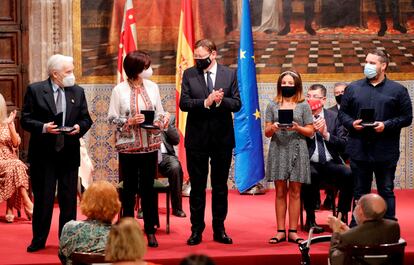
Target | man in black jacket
(209,93)
(54,155)
(375,148)
(326,163)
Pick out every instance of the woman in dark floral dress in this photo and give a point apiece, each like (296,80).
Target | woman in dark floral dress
(14,181)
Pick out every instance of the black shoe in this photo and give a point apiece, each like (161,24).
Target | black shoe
(275,240)
(284,31)
(34,247)
(194,239)
(382,30)
(400,28)
(222,237)
(310,30)
(179,213)
(316,228)
(152,240)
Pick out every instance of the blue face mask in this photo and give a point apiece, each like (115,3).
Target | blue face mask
(370,70)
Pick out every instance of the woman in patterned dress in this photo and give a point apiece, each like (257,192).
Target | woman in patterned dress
(14,181)
(100,204)
(137,145)
(288,159)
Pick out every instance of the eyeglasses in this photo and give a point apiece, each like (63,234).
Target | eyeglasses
(339,93)
(314,97)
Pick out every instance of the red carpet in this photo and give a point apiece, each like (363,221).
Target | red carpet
(250,222)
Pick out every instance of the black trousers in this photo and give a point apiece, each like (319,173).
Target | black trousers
(395,11)
(137,171)
(45,175)
(170,167)
(309,11)
(384,171)
(197,165)
(331,173)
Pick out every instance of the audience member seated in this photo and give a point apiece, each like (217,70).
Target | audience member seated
(170,166)
(126,243)
(14,181)
(325,160)
(371,229)
(100,204)
(197,259)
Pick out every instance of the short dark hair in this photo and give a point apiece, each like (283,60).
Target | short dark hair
(206,43)
(384,57)
(318,86)
(135,62)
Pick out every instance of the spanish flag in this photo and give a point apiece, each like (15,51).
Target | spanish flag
(128,39)
(185,59)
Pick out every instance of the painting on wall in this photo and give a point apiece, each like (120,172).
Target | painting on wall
(322,39)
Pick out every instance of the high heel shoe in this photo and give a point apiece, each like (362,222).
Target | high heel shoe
(29,213)
(9,218)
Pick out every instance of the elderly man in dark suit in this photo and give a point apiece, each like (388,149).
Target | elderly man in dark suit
(326,163)
(338,90)
(54,154)
(209,94)
(170,166)
(372,229)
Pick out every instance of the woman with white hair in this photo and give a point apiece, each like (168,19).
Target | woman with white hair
(14,181)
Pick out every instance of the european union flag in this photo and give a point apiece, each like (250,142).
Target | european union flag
(249,163)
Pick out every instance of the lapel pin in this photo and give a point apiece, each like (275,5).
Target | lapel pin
(73,101)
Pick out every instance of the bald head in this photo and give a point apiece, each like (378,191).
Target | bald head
(373,206)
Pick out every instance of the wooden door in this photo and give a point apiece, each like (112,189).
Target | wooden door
(14,56)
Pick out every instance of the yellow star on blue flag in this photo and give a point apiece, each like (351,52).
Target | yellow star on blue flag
(249,161)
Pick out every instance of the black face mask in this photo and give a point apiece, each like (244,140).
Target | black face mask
(288,91)
(203,64)
(338,99)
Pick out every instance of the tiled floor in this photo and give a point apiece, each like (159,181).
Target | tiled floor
(340,50)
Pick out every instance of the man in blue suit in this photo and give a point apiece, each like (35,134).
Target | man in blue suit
(209,93)
(325,158)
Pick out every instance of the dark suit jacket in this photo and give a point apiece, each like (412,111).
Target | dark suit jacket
(369,233)
(171,137)
(334,108)
(209,129)
(337,139)
(39,108)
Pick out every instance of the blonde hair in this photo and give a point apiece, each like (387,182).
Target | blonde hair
(299,96)
(3,109)
(100,202)
(125,241)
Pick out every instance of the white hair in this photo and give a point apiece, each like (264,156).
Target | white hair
(3,109)
(55,62)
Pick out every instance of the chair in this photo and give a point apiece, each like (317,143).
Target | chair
(161,185)
(384,254)
(327,187)
(83,258)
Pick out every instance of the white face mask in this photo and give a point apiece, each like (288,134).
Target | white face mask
(146,74)
(68,80)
